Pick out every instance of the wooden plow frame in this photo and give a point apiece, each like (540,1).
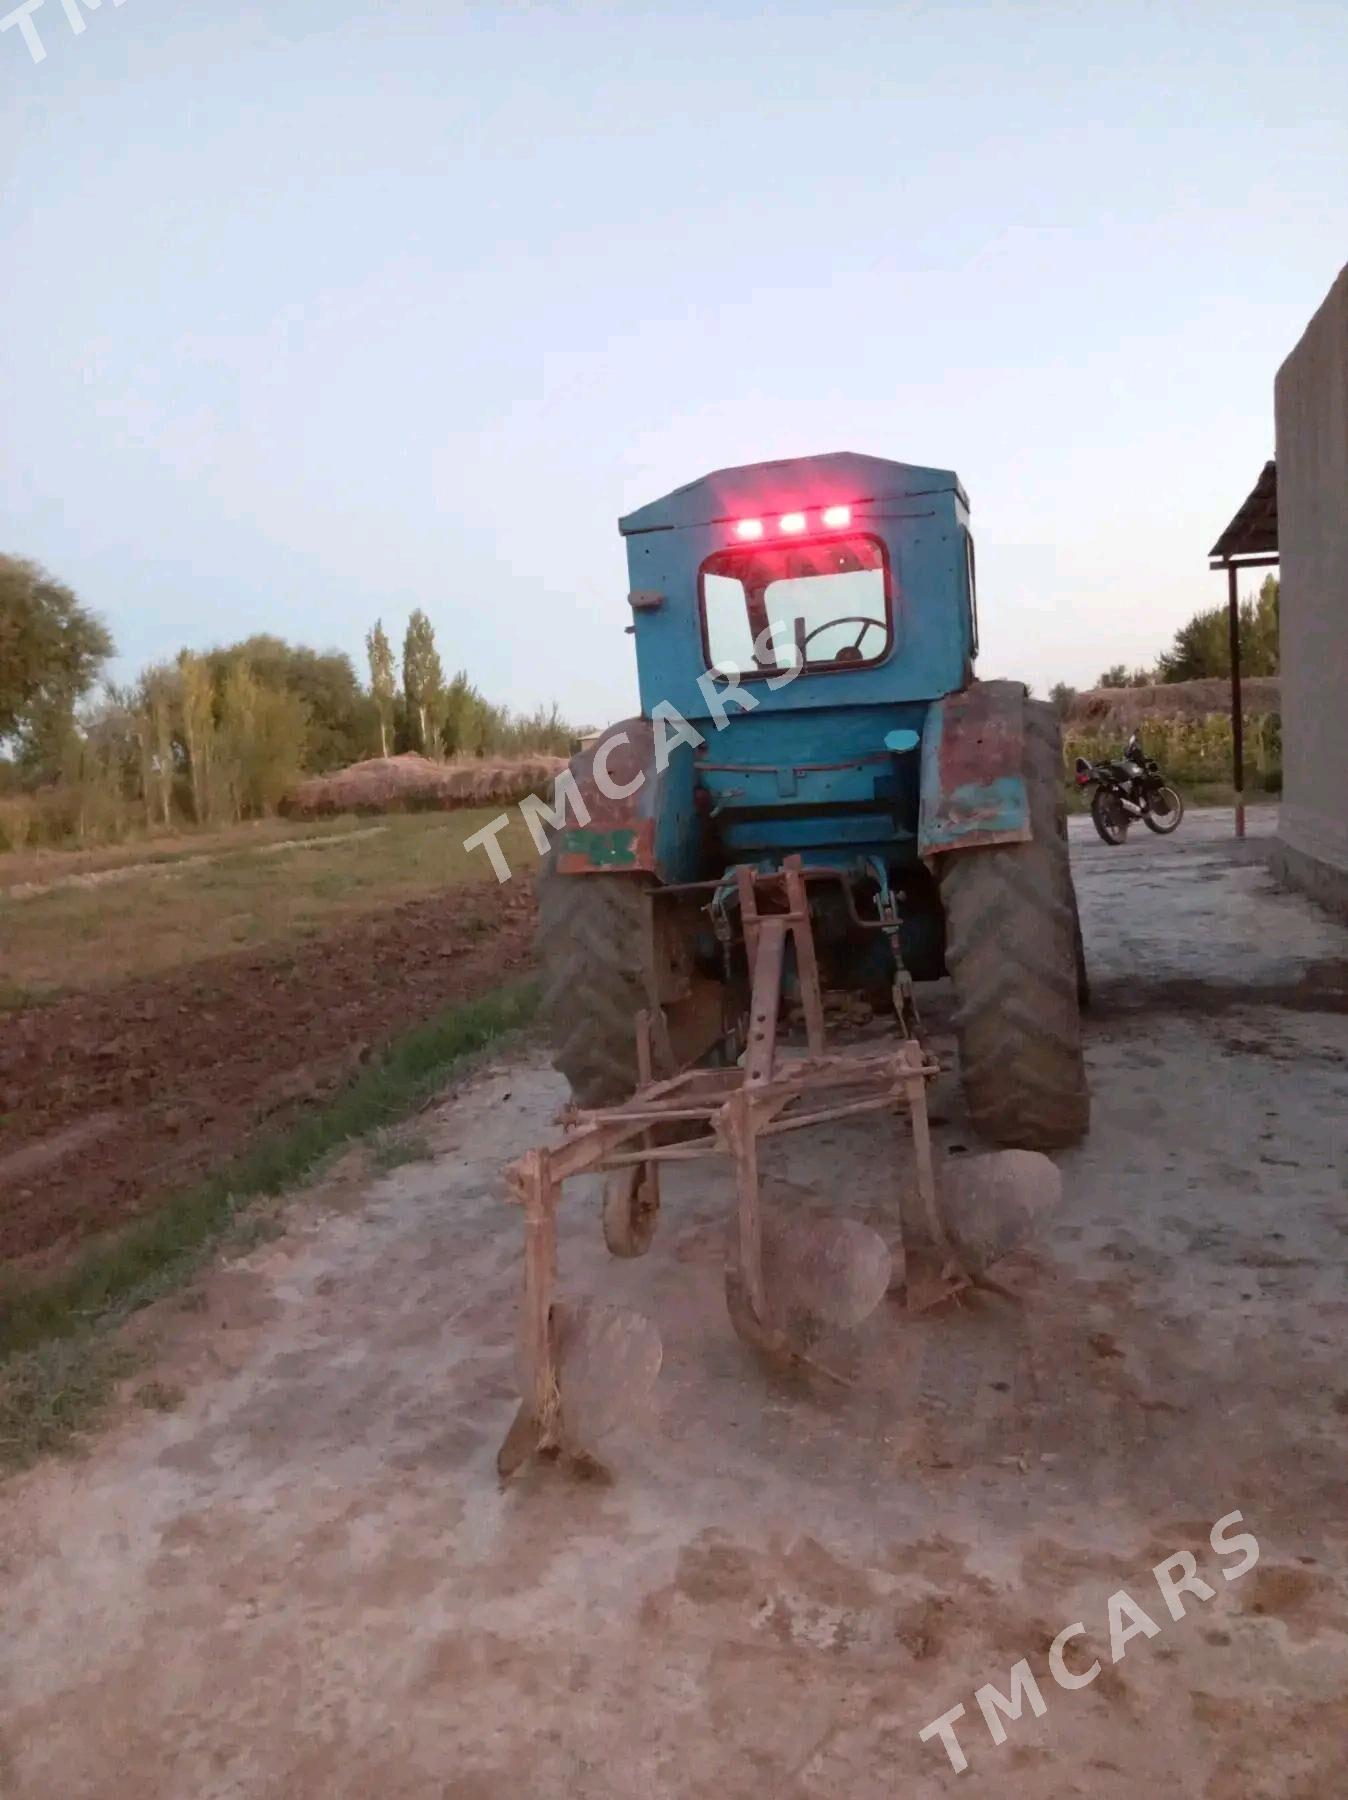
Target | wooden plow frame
(726,1112)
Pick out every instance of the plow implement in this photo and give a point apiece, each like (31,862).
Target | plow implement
(789,1282)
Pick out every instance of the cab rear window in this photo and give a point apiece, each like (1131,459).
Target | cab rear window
(768,608)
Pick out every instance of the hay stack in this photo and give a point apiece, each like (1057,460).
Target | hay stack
(1121,710)
(411,783)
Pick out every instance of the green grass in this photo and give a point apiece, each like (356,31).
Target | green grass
(171,912)
(57,1362)
(50,862)
(392,1149)
(159,1396)
(50,1395)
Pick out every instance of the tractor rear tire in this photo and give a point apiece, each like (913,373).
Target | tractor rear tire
(1012,949)
(591,943)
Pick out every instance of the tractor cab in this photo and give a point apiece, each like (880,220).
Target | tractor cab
(832,597)
(836,581)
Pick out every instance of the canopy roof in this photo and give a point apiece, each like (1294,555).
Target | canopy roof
(1254,530)
(840,477)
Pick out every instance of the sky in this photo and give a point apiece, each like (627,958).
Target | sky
(320,310)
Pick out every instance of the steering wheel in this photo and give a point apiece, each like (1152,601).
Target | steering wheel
(846,619)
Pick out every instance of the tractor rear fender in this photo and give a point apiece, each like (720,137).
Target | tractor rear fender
(623,827)
(623,813)
(973,771)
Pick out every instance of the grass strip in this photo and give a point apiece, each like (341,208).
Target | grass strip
(44,1391)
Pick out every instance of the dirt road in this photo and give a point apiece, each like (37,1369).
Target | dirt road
(304,1581)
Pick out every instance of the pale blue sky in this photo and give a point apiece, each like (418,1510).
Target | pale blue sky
(329,309)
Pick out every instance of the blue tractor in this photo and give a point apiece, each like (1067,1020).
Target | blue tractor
(805,635)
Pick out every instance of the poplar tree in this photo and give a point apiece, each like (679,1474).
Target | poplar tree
(423,681)
(383,680)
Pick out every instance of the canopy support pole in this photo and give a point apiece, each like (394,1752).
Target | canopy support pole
(1237,718)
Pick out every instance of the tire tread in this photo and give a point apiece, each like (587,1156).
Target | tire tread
(1012,949)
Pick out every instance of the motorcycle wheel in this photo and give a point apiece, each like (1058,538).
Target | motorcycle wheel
(1107,813)
(1164,812)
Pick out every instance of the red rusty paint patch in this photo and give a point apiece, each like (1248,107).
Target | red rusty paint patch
(620,832)
(978,798)
(982,738)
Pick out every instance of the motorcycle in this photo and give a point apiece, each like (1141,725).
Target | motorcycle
(1131,788)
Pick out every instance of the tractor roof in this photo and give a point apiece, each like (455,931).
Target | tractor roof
(838,478)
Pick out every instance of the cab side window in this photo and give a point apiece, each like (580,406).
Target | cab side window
(971,586)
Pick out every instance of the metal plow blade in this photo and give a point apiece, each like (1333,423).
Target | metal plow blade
(992,1204)
(818,1276)
(602,1365)
(607,1360)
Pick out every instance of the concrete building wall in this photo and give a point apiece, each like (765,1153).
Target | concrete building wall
(1311,403)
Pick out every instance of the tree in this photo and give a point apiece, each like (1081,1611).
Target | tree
(1062,694)
(423,681)
(1202,646)
(197,702)
(1117,676)
(52,649)
(340,728)
(262,736)
(154,713)
(98,771)
(1259,625)
(383,680)
(470,723)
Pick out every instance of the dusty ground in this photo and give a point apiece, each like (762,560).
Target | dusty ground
(305,1582)
(110,1098)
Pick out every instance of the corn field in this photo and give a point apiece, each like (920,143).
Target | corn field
(1194,751)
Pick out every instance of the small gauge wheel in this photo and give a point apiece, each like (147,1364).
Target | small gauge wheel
(631,1207)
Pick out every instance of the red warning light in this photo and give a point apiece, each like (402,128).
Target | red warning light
(792,522)
(834,516)
(749,528)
